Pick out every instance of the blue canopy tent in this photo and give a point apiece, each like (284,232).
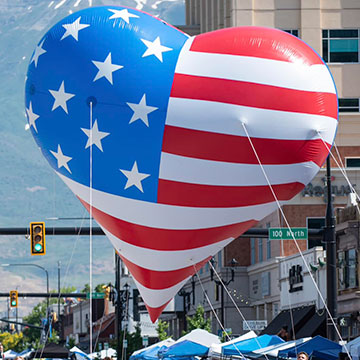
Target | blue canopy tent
(319,347)
(151,352)
(246,346)
(185,349)
(196,343)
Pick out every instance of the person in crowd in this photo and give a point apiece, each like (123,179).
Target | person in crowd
(302,355)
(2,351)
(283,333)
(19,358)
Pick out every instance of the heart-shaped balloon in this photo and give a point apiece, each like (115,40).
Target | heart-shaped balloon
(173,140)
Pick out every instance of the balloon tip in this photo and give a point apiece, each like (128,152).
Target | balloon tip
(155,312)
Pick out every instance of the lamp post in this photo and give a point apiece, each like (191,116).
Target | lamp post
(222,282)
(47,279)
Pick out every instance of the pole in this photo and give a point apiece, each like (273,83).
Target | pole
(47,280)
(330,241)
(118,306)
(222,305)
(59,319)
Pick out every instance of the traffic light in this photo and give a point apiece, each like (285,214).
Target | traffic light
(107,289)
(14,298)
(37,238)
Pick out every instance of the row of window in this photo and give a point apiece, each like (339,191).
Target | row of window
(340,46)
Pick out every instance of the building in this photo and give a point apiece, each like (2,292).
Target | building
(331,28)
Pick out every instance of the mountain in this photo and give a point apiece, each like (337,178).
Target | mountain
(29,189)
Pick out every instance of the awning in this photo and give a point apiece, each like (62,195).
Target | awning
(300,316)
(315,326)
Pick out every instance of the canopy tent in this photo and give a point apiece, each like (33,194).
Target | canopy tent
(76,349)
(26,353)
(215,349)
(273,350)
(353,347)
(51,350)
(10,354)
(246,346)
(149,349)
(319,346)
(103,353)
(196,343)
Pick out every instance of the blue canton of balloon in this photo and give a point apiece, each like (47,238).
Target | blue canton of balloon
(115,81)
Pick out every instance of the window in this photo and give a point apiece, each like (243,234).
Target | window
(315,223)
(252,250)
(260,253)
(347,269)
(352,162)
(220,259)
(294,32)
(349,105)
(341,46)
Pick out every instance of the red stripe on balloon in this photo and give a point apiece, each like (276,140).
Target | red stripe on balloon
(158,280)
(256,42)
(237,149)
(155,312)
(165,239)
(254,95)
(197,195)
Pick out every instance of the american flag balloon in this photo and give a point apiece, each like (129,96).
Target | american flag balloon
(177,128)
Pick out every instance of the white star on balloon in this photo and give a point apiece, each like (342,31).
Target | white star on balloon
(62,160)
(106,69)
(37,53)
(141,111)
(134,177)
(122,14)
(32,117)
(61,97)
(73,29)
(94,136)
(155,48)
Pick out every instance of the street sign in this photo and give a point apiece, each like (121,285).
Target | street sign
(125,344)
(96,295)
(145,341)
(288,234)
(254,325)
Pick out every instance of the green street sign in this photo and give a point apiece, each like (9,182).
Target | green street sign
(288,234)
(96,295)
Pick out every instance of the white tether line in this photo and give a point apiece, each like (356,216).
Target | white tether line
(295,241)
(214,312)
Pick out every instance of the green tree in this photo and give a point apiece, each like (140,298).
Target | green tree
(97,288)
(12,341)
(161,330)
(134,341)
(197,321)
(32,335)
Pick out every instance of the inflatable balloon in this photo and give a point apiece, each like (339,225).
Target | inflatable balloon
(176,128)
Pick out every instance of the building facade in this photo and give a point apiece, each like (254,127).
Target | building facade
(261,285)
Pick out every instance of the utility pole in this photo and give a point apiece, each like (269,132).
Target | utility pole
(330,241)
(118,305)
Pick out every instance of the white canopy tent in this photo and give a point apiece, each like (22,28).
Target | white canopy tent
(215,349)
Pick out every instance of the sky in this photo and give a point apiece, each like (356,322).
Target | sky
(29,189)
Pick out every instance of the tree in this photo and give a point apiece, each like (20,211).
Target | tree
(12,341)
(32,335)
(161,330)
(197,321)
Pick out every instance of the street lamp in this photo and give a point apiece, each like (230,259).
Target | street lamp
(222,282)
(47,279)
